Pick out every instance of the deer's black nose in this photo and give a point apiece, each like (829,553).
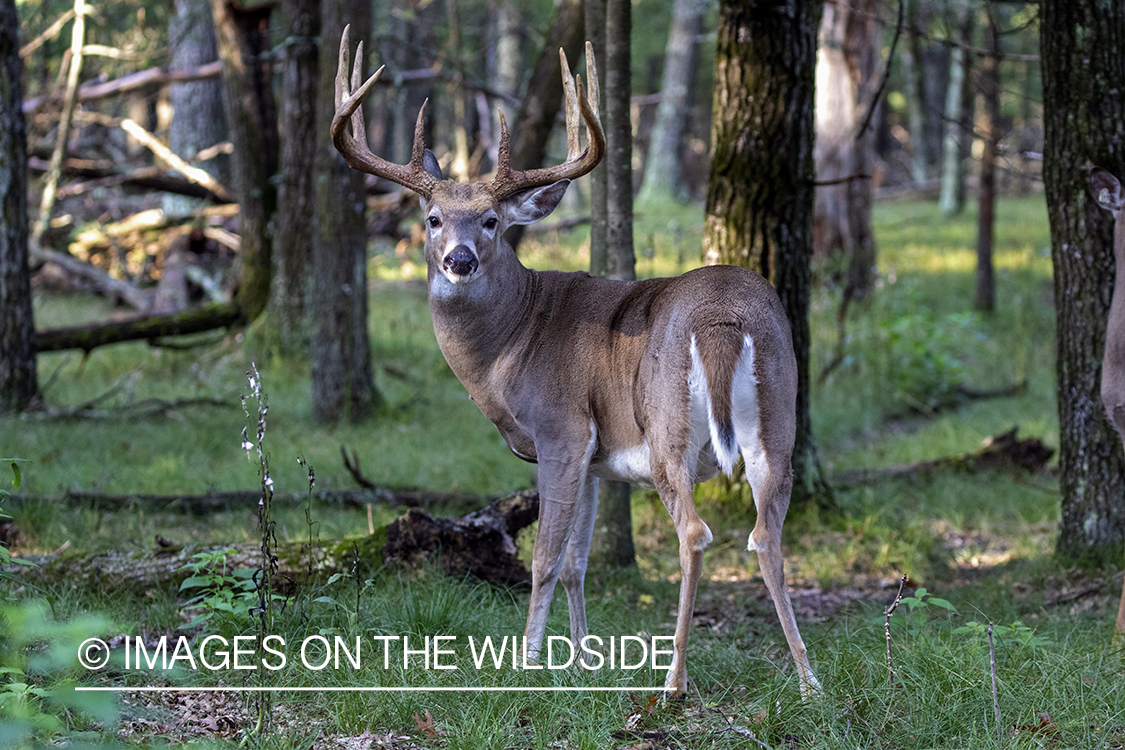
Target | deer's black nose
(460,261)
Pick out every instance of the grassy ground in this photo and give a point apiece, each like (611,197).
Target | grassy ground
(980,542)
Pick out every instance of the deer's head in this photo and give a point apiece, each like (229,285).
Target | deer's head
(465,223)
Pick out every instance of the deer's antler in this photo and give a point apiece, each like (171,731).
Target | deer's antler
(509,181)
(353,145)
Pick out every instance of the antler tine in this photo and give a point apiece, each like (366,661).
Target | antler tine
(508,181)
(359,127)
(570,99)
(353,145)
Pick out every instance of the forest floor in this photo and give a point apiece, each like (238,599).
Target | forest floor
(977,546)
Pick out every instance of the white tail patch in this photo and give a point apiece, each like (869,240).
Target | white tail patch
(744,404)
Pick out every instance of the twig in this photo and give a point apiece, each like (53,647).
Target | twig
(51,32)
(1093,589)
(352,465)
(71,99)
(887,627)
(995,700)
(886,75)
(841,180)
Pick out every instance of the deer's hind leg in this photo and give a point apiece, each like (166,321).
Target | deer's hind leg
(770,474)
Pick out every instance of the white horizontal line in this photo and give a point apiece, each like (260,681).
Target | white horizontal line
(362,689)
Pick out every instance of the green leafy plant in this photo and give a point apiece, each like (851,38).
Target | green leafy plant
(38,703)
(6,558)
(224,598)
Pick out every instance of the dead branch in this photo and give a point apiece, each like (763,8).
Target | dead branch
(219,500)
(1003,452)
(70,100)
(51,32)
(138,328)
(145,178)
(194,174)
(132,82)
(102,281)
(144,408)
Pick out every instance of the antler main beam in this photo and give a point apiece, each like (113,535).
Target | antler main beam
(353,146)
(508,181)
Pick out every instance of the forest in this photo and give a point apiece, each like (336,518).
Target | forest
(334,334)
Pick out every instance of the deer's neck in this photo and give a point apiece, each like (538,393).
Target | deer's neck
(475,323)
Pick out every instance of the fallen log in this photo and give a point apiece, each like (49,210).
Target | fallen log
(138,328)
(1003,452)
(481,543)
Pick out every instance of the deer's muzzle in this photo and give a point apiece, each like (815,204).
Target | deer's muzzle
(461,261)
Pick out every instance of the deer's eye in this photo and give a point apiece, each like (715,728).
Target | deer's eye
(434,222)
(490,222)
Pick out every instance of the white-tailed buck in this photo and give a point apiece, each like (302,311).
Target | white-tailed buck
(660,382)
(1108,194)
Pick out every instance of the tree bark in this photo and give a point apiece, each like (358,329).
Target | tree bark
(985,300)
(543,98)
(760,192)
(18,383)
(847,51)
(599,254)
(292,293)
(663,172)
(242,38)
(197,106)
(613,528)
(1083,58)
(343,386)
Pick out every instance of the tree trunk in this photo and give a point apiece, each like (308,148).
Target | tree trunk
(296,195)
(18,383)
(613,529)
(848,47)
(242,38)
(504,59)
(343,386)
(543,99)
(952,165)
(665,161)
(760,192)
(913,90)
(197,106)
(1083,58)
(985,300)
(599,254)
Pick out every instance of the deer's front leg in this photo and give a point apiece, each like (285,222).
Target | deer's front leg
(563,498)
(573,574)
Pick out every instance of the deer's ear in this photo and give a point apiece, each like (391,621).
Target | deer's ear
(1106,190)
(430,164)
(532,205)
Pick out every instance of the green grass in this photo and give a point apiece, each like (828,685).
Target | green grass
(981,541)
